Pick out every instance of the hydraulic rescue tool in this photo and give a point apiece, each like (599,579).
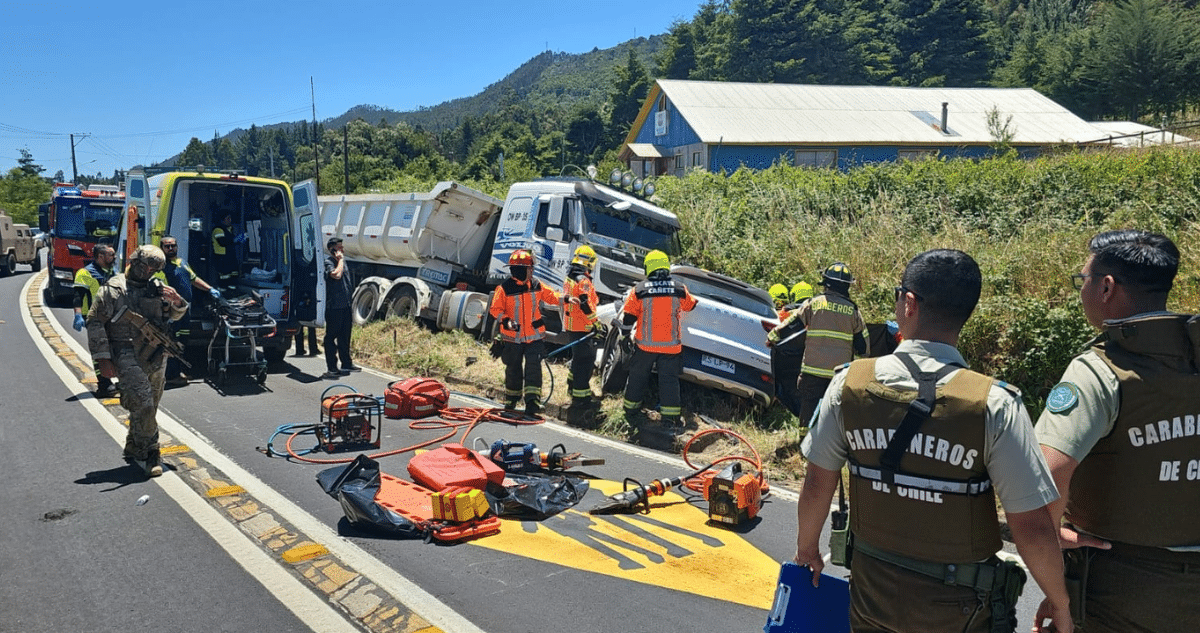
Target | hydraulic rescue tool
(523,457)
(639,496)
(349,419)
(733,497)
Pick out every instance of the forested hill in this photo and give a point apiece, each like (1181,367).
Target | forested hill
(549,81)
(1102,59)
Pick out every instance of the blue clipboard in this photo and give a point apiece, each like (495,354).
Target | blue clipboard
(801,608)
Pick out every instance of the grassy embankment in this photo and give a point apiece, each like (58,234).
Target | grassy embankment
(1026,222)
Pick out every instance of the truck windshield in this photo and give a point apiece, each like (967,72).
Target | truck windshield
(87,221)
(629,226)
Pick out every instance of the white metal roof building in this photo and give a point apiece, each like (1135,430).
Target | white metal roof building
(720,126)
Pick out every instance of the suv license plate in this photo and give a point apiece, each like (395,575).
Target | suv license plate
(717,363)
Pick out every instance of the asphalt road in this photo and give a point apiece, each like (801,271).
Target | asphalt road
(81,539)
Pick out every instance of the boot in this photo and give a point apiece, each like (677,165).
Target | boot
(532,407)
(151,466)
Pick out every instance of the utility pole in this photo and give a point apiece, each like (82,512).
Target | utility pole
(74,169)
(346,156)
(316,148)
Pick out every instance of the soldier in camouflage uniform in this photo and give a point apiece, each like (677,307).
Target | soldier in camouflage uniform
(120,350)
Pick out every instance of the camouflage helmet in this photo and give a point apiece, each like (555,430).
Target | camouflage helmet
(150,256)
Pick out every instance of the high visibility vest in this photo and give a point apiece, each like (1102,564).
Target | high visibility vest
(91,278)
(1140,483)
(521,302)
(659,305)
(942,480)
(579,317)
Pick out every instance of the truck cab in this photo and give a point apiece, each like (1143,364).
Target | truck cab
(278,261)
(76,219)
(553,217)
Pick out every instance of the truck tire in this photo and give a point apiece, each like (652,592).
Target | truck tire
(403,305)
(37,261)
(10,265)
(614,365)
(362,304)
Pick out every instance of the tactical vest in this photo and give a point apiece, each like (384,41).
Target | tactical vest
(1140,484)
(831,320)
(146,300)
(939,506)
(578,286)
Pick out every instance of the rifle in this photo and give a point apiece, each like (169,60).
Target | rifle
(153,340)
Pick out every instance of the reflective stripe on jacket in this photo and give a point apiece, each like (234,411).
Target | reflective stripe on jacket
(659,305)
(521,302)
(832,321)
(579,317)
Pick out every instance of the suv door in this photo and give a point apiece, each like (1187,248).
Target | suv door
(308,279)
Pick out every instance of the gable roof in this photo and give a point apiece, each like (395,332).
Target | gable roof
(773,114)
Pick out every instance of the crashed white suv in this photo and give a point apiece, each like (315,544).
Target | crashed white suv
(724,337)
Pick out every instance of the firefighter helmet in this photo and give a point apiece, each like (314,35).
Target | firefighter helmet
(520,257)
(779,293)
(585,256)
(801,291)
(837,273)
(656,260)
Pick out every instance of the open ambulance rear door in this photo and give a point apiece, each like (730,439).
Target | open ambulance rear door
(308,278)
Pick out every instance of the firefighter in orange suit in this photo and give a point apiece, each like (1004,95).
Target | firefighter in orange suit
(516,305)
(579,319)
(657,306)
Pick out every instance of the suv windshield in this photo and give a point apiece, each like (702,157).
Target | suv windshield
(714,289)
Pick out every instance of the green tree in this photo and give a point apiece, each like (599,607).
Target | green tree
(1145,59)
(941,43)
(678,58)
(196,153)
(23,189)
(712,30)
(629,92)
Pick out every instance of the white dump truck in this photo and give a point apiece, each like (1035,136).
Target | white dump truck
(438,255)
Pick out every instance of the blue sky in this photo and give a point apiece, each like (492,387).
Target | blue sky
(140,79)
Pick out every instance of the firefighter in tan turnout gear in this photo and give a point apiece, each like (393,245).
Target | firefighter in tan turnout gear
(931,446)
(123,351)
(1120,434)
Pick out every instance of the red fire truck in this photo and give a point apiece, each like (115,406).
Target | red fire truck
(76,219)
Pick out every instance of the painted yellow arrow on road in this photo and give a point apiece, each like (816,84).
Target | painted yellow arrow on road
(674,546)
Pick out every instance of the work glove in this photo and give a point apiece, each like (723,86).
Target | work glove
(599,329)
(214,293)
(509,324)
(78,324)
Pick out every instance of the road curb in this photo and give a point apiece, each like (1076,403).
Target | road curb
(363,601)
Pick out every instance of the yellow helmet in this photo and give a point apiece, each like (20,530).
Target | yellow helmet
(585,256)
(801,291)
(656,260)
(779,293)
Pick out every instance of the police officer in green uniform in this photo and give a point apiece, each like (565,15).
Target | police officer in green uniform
(1120,435)
(121,351)
(924,481)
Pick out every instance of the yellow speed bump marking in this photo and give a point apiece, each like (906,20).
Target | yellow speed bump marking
(303,553)
(672,547)
(225,491)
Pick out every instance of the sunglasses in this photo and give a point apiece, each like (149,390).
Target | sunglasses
(901,291)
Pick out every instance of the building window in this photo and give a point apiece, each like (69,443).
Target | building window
(695,159)
(679,161)
(917,154)
(815,158)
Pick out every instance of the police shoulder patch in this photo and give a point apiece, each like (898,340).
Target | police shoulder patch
(1063,397)
(1009,387)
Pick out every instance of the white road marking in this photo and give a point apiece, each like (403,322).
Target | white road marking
(265,569)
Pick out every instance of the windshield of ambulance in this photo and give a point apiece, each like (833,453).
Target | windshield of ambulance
(86,220)
(629,226)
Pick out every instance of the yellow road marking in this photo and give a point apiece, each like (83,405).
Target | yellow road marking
(672,547)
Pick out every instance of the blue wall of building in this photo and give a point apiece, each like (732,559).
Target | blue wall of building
(729,158)
(679,133)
